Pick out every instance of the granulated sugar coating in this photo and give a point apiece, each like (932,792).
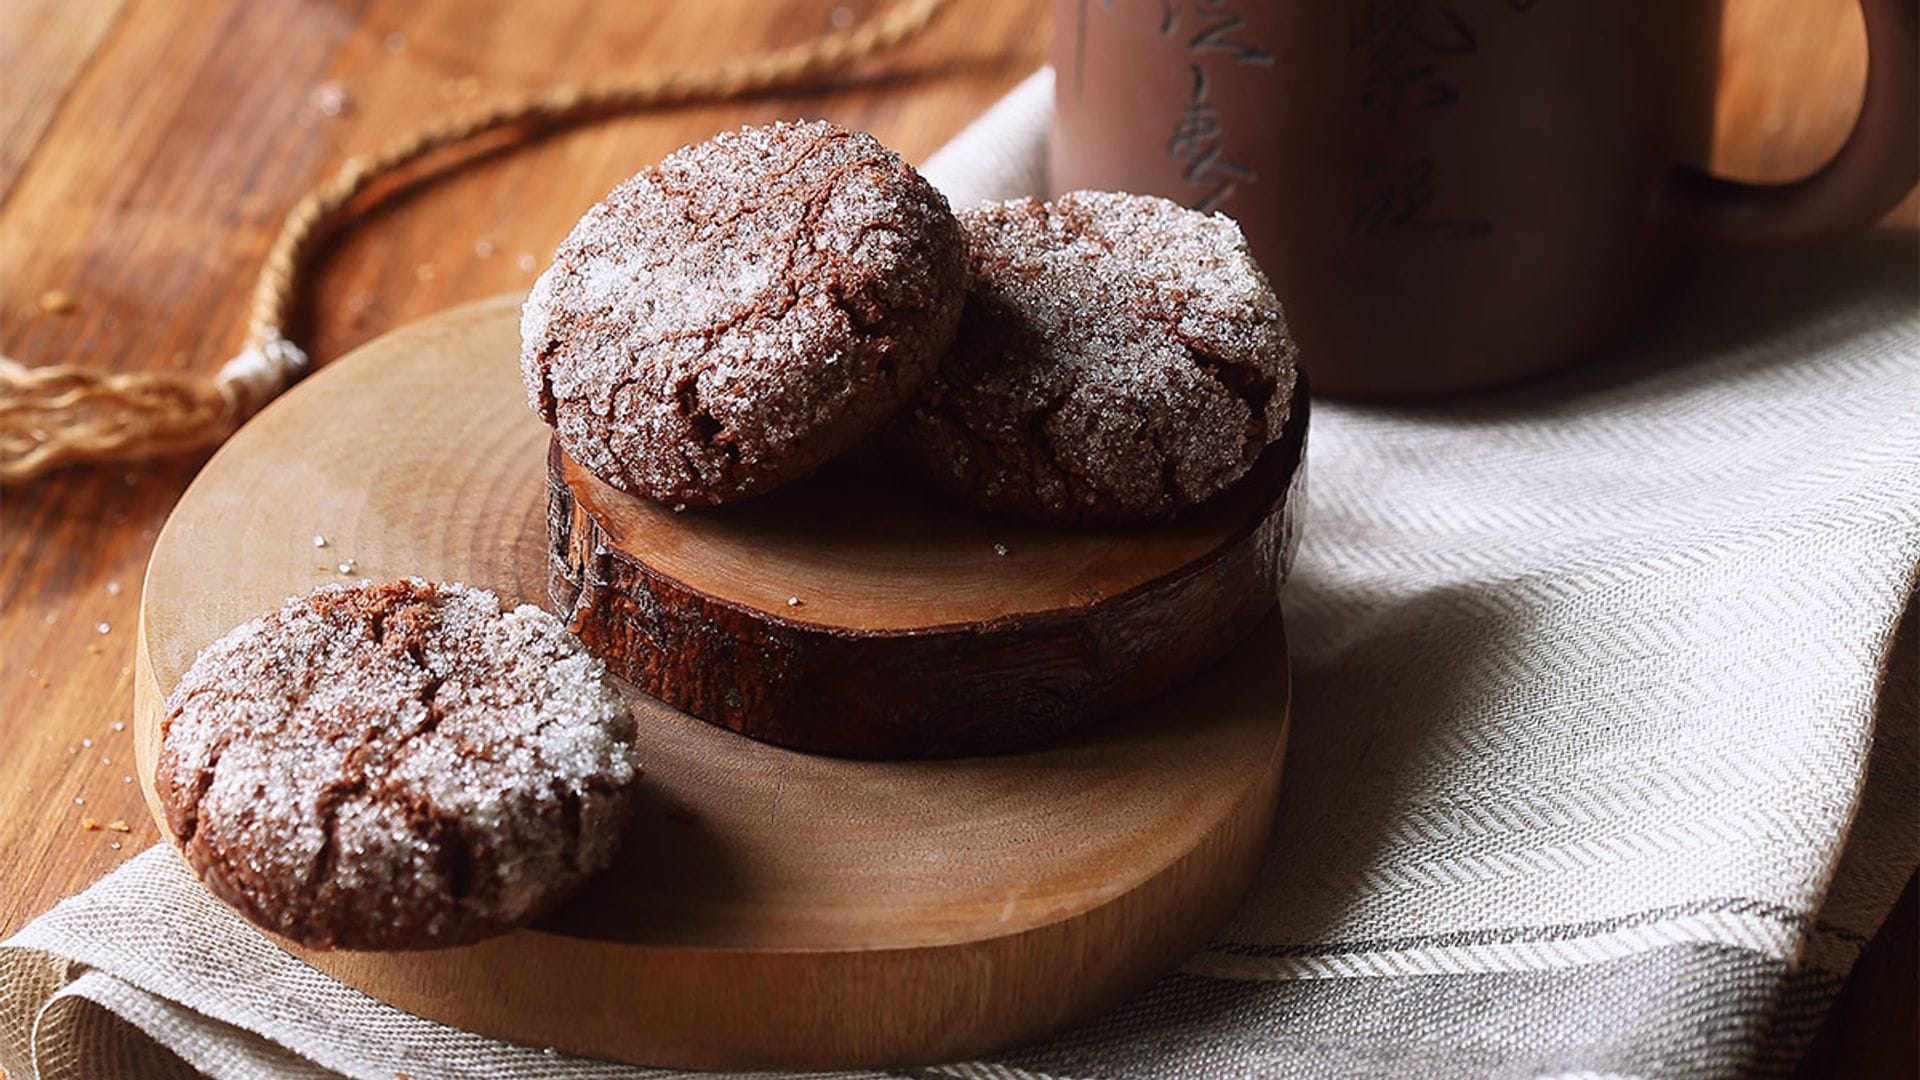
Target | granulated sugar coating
(730,319)
(395,766)
(1120,358)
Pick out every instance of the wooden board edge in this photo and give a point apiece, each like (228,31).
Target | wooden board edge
(942,1004)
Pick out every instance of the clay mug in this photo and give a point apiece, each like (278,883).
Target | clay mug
(1454,194)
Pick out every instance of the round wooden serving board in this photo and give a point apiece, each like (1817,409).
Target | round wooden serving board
(772,908)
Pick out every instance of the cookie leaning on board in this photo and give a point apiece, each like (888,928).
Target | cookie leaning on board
(395,766)
(754,306)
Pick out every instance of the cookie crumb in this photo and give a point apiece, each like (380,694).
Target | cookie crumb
(56,302)
(89,824)
(119,825)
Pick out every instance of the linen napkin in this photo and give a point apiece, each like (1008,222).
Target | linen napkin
(1603,762)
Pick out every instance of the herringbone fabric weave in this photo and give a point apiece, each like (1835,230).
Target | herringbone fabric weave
(1586,777)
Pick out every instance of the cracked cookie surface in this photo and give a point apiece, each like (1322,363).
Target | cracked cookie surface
(1119,358)
(395,766)
(730,319)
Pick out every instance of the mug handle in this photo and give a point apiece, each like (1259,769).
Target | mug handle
(1873,171)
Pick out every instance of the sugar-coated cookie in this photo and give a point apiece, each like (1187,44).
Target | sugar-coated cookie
(395,766)
(730,319)
(1120,358)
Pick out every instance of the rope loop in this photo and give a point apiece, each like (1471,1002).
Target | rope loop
(68,415)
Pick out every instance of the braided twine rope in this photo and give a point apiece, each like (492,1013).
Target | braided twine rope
(66,415)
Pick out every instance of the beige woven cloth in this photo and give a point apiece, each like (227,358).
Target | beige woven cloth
(1594,770)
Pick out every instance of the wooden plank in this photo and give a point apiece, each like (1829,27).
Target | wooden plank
(46,46)
(1791,75)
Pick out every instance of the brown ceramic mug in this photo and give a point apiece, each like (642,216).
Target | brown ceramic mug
(1452,194)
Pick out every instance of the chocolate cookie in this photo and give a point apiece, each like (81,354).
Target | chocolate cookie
(1120,358)
(395,766)
(730,319)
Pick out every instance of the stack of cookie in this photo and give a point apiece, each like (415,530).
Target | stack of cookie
(755,305)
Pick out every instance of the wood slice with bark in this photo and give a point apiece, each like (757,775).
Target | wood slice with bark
(851,613)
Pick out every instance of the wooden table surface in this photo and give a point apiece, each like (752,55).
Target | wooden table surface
(149,149)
